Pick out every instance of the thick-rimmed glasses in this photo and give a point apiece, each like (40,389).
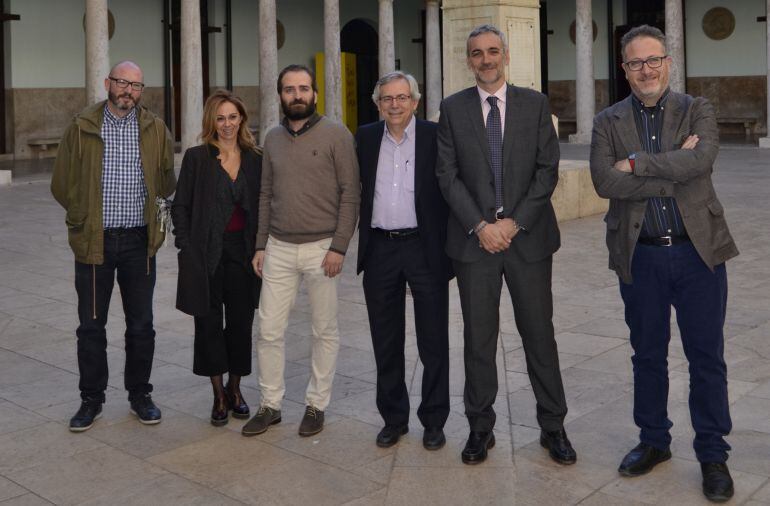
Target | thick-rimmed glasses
(653,62)
(400,99)
(122,83)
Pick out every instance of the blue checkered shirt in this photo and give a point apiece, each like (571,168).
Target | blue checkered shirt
(123,188)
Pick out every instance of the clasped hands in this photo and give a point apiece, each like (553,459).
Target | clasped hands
(496,237)
(689,143)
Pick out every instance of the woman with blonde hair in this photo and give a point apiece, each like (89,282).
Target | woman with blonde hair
(215,224)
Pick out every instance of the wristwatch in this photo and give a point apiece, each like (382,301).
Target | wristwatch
(632,160)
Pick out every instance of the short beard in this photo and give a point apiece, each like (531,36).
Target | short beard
(119,105)
(297,115)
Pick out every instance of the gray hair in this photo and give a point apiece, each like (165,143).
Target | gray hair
(479,30)
(414,88)
(641,31)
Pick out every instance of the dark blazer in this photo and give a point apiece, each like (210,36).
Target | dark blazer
(530,172)
(429,205)
(684,174)
(191,211)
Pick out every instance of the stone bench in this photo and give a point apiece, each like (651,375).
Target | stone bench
(748,122)
(574,196)
(40,146)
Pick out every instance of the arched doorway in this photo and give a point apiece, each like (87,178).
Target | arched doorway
(360,38)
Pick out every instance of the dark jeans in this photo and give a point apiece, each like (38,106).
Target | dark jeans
(390,265)
(676,276)
(125,251)
(227,349)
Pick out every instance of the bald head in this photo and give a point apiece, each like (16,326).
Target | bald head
(124,87)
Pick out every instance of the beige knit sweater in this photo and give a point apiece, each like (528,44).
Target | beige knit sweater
(310,186)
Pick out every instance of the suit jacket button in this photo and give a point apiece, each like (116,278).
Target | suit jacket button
(636,225)
(662,191)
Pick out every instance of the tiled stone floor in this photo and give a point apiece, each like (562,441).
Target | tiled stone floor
(185,460)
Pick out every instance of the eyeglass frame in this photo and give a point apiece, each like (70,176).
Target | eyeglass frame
(133,84)
(645,62)
(399,99)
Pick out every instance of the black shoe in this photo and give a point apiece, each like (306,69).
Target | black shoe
(312,422)
(219,413)
(717,483)
(147,412)
(559,447)
(390,434)
(236,403)
(259,423)
(433,438)
(84,419)
(475,451)
(642,459)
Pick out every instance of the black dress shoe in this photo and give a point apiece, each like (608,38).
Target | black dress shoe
(717,483)
(433,438)
(219,413)
(84,419)
(559,447)
(475,451)
(236,403)
(642,459)
(390,434)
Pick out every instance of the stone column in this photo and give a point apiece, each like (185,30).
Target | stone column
(764,142)
(192,73)
(432,59)
(675,44)
(97,50)
(268,68)
(332,70)
(584,81)
(387,53)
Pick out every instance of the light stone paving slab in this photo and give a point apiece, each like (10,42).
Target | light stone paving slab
(185,460)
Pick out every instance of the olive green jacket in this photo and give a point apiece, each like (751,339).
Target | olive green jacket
(77,179)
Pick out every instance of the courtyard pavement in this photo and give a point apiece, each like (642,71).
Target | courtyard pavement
(185,460)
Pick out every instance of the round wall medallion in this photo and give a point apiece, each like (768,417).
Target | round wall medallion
(280,31)
(718,23)
(573,28)
(110,24)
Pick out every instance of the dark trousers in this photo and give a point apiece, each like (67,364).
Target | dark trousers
(125,251)
(389,266)
(676,276)
(226,348)
(529,284)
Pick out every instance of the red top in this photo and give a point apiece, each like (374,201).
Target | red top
(237,220)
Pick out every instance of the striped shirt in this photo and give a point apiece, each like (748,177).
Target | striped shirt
(662,216)
(123,189)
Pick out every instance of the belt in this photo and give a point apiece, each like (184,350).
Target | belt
(123,230)
(666,240)
(401,233)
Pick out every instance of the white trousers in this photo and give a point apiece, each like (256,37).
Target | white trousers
(285,265)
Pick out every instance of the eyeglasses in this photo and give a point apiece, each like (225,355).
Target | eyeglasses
(122,83)
(401,99)
(652,62)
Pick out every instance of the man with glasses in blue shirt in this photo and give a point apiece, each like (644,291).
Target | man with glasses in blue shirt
(114,161)
(652,155)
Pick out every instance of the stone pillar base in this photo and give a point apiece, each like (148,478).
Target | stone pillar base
(580,138)
(764,142)
(5,178)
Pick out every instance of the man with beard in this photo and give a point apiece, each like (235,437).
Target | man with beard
(114,160)
(498,164)
(308,207)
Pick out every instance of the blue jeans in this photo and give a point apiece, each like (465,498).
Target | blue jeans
(125,252)
(676,276)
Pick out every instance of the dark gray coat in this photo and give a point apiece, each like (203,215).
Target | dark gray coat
(684,174)
(193,204)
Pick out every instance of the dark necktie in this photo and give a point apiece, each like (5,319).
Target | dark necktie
(495,140)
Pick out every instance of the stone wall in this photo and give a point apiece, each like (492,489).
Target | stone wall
(44,113)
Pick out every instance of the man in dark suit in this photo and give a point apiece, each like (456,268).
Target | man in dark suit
(401,241)
(498,161)
(652,155)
